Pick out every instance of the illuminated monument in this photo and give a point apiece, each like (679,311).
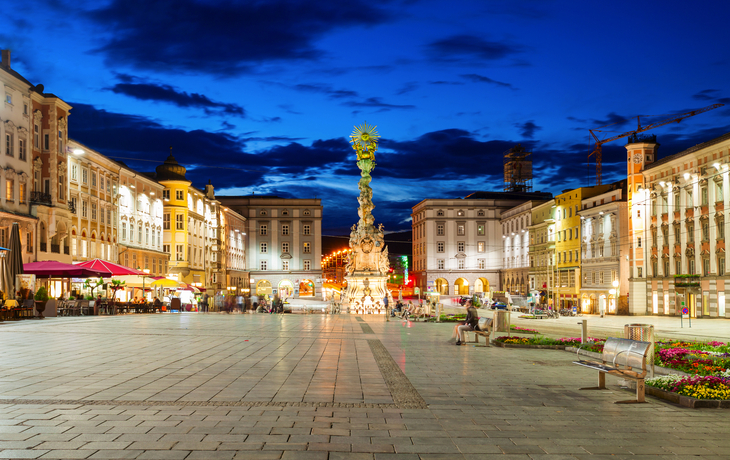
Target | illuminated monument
(367,266)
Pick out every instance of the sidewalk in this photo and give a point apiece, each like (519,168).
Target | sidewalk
(664,327)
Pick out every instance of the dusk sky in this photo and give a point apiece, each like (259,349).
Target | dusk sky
(260,96)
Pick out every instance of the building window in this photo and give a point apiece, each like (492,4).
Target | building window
(480,230)
(691,266)
(704,196)
(690,233)
(285,247)
(480,213)
(285,230)
(166,221)
(705,231)
(179,222)
(284,212)
(459,213)
(440,264)
(166,248)
(139,234)
(307,264)
(93,179)
(439,213)
(307,212)
(306,230)
(263,265)
(147,236)
(9,190)
(307,247)
(440,246)
(47,143)
(482,264)
(460,264)
(677,266)
(85,176)
(460,230)
(706,266)
(8,144)
(440,230)
(22,193)
(124,231)
(101,215)
(460,246)
(638,242)
(21,149)
(101,183)
(165,194)
(263,229)
(179,252)
(179,195)
(263,248)
(480,246)
(60,141)
(721,266)
(37,136)
(285,265)
(84,209)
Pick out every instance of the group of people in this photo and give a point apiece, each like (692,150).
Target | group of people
(275,306)
(403,311)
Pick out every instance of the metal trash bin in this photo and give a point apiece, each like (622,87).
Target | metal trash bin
(643,333)
(501,323)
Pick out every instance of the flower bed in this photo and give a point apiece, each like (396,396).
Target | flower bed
(696,392)
(541,340)
(701,358)
(523,330)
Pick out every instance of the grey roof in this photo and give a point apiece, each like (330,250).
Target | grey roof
(690,150)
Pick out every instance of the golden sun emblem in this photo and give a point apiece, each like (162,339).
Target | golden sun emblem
(365,135)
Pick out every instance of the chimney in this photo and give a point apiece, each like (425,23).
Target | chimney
(209,191)
(6,58)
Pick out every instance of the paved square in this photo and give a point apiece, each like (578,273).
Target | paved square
(314,387)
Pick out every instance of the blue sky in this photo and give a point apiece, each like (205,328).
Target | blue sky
(260,96)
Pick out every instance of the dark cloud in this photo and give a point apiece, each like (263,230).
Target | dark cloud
(528,129)
(223,38)
(482,79)
(147,91)
(706,95)
(327,90)
(407,88)
(377,102)
(611,119)
(472,48)
(444,82)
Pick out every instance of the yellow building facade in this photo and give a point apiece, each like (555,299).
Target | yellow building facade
(568,244)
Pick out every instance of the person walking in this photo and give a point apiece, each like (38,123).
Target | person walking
(385,302)
(469,325)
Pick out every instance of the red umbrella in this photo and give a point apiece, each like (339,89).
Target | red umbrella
(53,269)
(110,268)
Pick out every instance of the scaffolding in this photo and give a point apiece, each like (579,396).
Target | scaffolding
(517,170)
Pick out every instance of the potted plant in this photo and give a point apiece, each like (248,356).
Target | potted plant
(41,297)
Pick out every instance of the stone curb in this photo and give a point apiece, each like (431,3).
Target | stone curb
(520,345)
(687,401)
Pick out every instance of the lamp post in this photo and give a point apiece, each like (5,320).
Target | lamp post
(146,271)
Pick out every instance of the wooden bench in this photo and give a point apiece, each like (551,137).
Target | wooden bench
(621,357)
(485,330)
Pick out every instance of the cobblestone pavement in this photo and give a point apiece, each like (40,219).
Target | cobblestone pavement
(315,387)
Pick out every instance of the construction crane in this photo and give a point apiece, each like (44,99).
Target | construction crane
(597,150)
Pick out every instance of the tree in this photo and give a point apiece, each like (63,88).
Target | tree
(115,286)
(93,285)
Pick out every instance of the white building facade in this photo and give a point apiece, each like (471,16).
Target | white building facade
(605,268)
(516,236)
(284,249)
(457,243)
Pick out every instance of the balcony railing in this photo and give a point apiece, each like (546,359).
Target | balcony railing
(55,248)
(65,250)
(44,247)
(40,198)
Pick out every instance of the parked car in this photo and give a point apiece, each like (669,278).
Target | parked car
(498,306)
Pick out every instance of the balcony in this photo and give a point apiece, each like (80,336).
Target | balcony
(40,198)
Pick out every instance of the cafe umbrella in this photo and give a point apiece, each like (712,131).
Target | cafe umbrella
(15,261)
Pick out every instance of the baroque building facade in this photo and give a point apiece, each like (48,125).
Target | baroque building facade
(16,159)
(516,237)
(233,251)
(284,249)
(93,192)
(139,226)
(604,265)
(542,249)
(684,209)
(457,243)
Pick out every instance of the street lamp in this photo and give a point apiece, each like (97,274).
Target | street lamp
(146,271)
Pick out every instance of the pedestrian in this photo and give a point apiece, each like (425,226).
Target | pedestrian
(469,324)
(385,301)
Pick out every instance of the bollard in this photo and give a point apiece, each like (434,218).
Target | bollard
(583,331)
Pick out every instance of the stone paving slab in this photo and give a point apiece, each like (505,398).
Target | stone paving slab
(271,387)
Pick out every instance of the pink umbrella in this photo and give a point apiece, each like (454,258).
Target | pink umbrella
(53,269)
(110,268)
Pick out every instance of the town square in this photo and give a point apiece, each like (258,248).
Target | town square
(366,230)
